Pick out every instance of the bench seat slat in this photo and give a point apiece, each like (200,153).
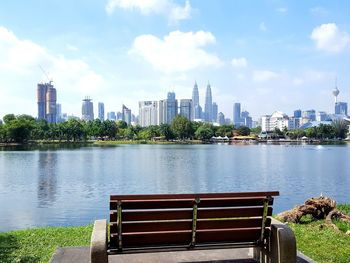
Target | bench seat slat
(187,225)
(188,203)
(193,196)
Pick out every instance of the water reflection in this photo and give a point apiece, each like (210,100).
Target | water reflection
(47,178)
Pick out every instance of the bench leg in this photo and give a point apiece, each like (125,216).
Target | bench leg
(98,247)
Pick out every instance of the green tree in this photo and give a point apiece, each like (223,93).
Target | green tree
(166,132)
(204,133)
(8,118)
(181,127)
(311,132)
(256,130)
(225,130)
(243,131)
(19,129)
(340,128)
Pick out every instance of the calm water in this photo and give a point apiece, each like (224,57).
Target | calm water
(72,186)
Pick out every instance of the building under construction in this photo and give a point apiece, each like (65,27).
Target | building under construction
(47,98)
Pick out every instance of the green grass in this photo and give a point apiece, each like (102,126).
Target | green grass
(324,244)
(38,245)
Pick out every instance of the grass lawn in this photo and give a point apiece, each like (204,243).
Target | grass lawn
(37,245)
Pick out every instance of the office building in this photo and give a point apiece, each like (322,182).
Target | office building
(101,111)
(195,102)
(170,107)
(237,114)
(208,106)
(341,108)
(87,109)
(277,120)
(215,112)
(126,114)
(148,113)
(221,118)
(47,100)
(111,116)
(186,108)
(59,113)
(309,114)
(297,114)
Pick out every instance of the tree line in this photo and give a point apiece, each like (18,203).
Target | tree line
(25,128)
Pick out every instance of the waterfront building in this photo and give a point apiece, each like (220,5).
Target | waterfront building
(186,108)
(297,113)
(215,112)
(47,100)
(111,116)
(87,109)
(221,118)
(277,120)
(195,102)
(208,106)
(341,108)
(237,114)
(148,113)
(126,114)
(170,108)
(101,111)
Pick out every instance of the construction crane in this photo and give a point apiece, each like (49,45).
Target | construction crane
(48,78)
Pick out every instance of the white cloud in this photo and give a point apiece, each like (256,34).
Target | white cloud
(20,58)
(168,8)
(328,37)
(72,47)
(264,75)
(282,10)
(176,52)
(239,62)
(262,27)
(319,11)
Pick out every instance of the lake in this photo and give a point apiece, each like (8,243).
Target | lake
(71,186)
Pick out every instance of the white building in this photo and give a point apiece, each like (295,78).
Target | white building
(148,113)
(277,120)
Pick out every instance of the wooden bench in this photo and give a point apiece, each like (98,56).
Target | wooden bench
(163,222)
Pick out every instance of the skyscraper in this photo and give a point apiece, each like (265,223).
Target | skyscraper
(126,114)
(195,102)
(148,113)
(171,107)
(87,109)
(101,111)
(297,114)
(341,108)
(208,107)
(215,112)
(237,114)
(221,118)
(58,112)
(111,116)
(47,100)
(186,108)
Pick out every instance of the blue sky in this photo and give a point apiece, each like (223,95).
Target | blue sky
(269,55)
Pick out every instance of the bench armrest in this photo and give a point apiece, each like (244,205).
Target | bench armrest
(282,243)
(98,247)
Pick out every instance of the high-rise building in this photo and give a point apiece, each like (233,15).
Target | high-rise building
(101,111)
(309,114)
(341,108)
(237,114)
(171,107)
(126,114)
(195,102)
(321,116)
(215,112)
(186,108)
(208,106)
(47,100)
(119,116)
(221,118)
(161,112)
(111,116)
(297,114)
(87,110)
(198,112)
(59,113)
(148,113)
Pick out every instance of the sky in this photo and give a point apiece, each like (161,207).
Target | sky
(268,55)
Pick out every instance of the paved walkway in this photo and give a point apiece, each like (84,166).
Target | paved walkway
(239,255)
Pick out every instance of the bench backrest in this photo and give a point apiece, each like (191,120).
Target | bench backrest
(167,220)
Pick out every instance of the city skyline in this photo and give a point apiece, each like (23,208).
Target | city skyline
(286,51)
